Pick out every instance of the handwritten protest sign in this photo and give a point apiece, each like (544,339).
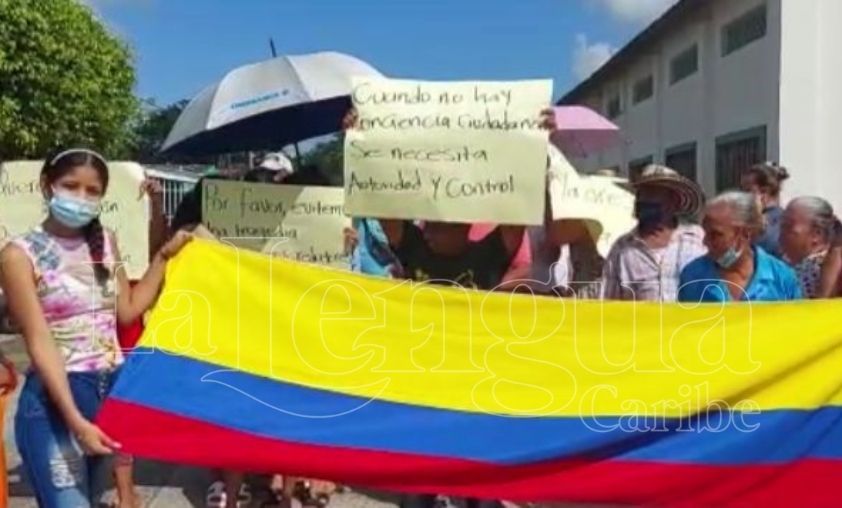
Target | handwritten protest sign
(607,208)
(124,211)
(461,152)
(301,223)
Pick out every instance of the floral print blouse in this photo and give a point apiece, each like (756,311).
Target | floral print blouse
(809,272)
(80,311)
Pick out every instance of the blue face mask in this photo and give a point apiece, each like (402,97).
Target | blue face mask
(73,212)
(730,258)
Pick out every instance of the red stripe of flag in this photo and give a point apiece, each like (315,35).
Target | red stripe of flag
(158,435)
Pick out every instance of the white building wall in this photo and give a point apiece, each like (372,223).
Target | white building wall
(800,97)
(828,168)
(745,92)
(614,156)
(681,112)
(595,161)
(727,95)
(642,119)
(810,101)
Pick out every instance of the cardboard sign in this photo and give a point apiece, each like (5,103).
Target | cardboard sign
(607,208)
(458,152)
(301,223)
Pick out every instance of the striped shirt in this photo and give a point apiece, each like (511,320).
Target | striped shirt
(634,271)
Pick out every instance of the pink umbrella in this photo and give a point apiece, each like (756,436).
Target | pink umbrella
(583,132)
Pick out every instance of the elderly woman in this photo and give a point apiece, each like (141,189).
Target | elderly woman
(734,269)
(806,231)
(831,279)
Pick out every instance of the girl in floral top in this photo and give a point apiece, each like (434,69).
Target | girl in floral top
(67,291)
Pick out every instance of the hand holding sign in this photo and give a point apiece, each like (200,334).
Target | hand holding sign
(351,119)
(548,120)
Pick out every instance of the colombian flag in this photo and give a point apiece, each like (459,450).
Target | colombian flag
(265,365)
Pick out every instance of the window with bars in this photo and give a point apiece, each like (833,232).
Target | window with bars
(643,89)
(737,152)
(684,65)
(615,107)
(682,159)
(744,30)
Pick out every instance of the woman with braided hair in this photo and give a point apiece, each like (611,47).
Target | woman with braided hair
(67,291)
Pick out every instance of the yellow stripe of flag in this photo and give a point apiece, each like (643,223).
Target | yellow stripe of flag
(492,352)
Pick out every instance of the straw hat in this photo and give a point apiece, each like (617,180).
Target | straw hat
(690,198)
(609,172)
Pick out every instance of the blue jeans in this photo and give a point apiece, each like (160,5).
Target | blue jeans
(59,472)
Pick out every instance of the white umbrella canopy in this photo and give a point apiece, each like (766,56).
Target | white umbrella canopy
(269,104)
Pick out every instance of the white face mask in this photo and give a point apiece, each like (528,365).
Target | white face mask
(730,258)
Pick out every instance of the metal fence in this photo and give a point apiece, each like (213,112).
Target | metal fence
(175,186)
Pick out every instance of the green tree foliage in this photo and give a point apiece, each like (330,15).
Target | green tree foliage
(64,80)
(152,129)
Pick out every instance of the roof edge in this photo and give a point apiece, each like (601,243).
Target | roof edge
(621,57)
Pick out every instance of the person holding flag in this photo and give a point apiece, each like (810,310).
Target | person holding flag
(67,291)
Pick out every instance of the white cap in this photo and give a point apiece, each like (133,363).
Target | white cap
(277,161)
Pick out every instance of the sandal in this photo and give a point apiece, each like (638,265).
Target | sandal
(215,498)
(285,502)
(244,497)
(321,492)
(314,493)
